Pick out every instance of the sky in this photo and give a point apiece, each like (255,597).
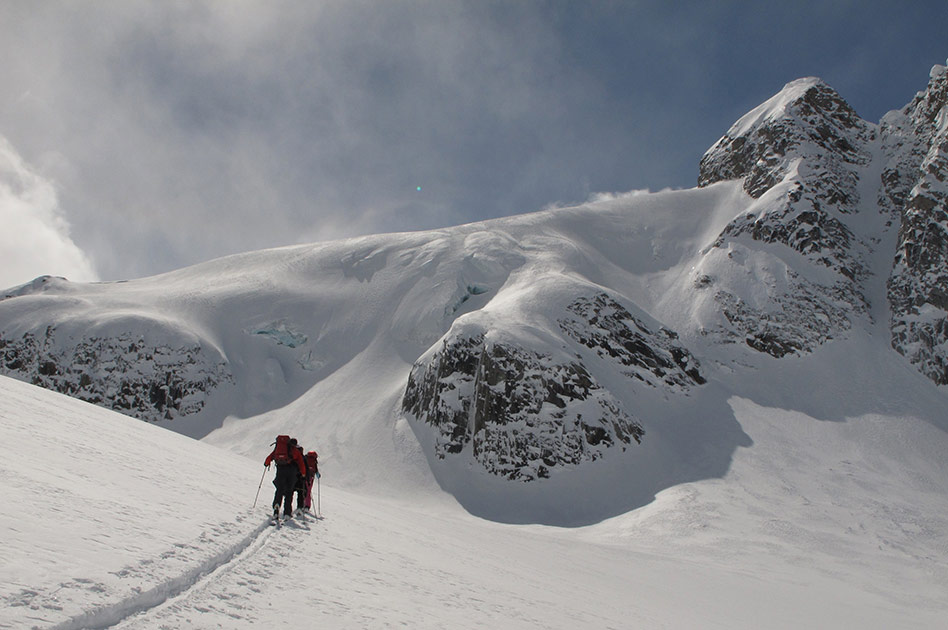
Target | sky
(141,137)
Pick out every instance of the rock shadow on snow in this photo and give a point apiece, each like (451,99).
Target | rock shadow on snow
(696,440)
(569,423)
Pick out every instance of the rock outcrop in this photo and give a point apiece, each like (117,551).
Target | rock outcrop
(151,381)
(653,357)
(522,413)
(916,188)
(801,155)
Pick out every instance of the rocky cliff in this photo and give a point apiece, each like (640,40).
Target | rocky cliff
(524,412)
(818,170)
(126,373)
(140,365)
(801,155)
(915,188)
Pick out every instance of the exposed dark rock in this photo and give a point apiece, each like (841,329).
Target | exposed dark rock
(809,140)
(604,325)
(151,382)
(915,186)
(797,322)
(521,413)
(818,119)
(817,144)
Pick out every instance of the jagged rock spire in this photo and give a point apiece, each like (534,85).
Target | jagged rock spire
(916,184)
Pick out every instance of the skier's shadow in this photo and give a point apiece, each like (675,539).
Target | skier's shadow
(299,522)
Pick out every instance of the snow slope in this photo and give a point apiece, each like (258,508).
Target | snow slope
(102,513)
(697,387)
(853,534)
(319,340)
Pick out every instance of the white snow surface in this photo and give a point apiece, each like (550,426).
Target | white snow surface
(834,514)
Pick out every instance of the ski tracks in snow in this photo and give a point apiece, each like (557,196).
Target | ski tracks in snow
(190,568)
(220,592)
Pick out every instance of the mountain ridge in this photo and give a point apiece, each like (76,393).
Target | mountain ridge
(531,349)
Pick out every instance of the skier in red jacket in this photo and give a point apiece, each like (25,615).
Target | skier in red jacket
(312,473)
(289,464)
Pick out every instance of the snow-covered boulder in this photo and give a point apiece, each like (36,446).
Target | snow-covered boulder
(524,408)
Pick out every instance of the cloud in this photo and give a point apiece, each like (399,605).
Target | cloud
(187,131)
(34,235)
(194,130)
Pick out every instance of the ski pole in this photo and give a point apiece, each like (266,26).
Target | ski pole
(259,486)
(319,510)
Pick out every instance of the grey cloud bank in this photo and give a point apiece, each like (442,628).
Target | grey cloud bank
(175,133)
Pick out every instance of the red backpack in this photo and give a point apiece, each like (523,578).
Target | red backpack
(281,453)
(311,462)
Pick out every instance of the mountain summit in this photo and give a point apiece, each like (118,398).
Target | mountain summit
(523,359)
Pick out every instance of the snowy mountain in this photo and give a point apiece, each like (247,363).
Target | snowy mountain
(532,356)
(801,155)
(729,400)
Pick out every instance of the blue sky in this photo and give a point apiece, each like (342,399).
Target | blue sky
(157,135)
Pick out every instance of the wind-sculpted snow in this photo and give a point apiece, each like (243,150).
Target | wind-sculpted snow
(521,413)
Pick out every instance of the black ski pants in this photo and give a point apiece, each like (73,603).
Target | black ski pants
(300,492)
(285,482)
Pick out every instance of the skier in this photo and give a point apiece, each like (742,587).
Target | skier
(289,465)
(301,483)
(312,473)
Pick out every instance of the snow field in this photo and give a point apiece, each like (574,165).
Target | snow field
(102,511)
(828,515)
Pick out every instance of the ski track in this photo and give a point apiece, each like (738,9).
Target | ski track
(170,590)
(224,588)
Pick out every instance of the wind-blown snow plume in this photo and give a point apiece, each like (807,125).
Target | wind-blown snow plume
(35,237)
